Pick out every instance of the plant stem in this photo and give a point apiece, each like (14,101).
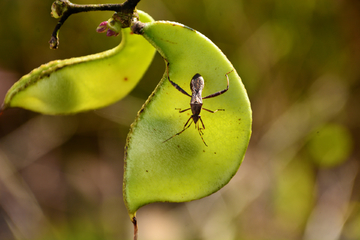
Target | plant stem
(127,7)
(134,221)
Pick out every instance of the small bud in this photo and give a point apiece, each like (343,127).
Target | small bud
(111,33)
(102,27)
(59,7)
(112,27)
(54,43)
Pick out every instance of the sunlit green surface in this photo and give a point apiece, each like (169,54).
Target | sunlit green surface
(183,168)
(84,83)
(299,63)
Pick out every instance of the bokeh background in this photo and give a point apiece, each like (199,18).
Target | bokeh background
(61,176)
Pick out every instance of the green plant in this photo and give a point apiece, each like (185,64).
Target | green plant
(178,170)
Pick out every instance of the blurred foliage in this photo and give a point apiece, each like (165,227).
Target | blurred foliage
(61,177)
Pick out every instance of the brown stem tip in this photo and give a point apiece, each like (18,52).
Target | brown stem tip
(134,221)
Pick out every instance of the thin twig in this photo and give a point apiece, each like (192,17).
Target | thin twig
(127,7)
(134,221)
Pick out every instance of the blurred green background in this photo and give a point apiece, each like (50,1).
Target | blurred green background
(61,176)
